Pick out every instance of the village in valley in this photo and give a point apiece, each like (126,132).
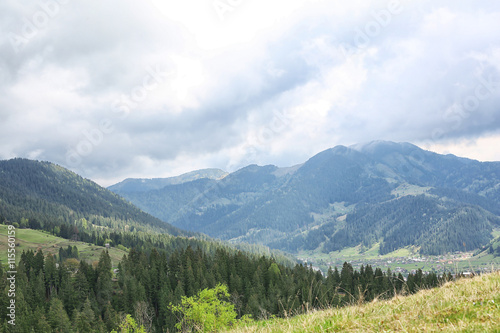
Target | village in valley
(466,263)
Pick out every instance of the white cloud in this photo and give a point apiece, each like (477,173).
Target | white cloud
(178,88)
(484,148)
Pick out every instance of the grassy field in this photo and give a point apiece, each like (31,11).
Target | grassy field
(355,253)
(405,259)
(407,189)
(468,305)
(28,239)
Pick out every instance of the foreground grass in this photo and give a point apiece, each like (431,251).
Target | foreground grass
(468,305)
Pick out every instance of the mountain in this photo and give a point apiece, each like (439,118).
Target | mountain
(45,193)
(393,193)
(143,185)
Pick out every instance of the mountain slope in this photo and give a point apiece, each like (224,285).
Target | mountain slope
(393,193)
(143,185)
(42,192)
(466,305)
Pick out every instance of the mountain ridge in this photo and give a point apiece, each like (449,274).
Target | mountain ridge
(145,184)
(302,208)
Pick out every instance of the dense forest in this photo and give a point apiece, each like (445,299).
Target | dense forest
(56,294)
(52,195)
(437,227)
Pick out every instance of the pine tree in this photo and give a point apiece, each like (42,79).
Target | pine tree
(104,275)
(42,324)
(84,321)
(50,275)
(399,283)
(58,318)
(111,319)
(80,286)
(66,292)
(166,317)
(37,287)
(38,262)
(346,280)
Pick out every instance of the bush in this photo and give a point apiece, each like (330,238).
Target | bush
(207,311)
(129,325)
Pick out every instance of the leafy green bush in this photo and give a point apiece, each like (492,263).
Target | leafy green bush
(129,326)
(207,311)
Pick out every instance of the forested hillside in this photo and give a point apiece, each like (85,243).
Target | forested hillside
(342,197)
(44,196)
(39,194)
(66,293)
(53,294)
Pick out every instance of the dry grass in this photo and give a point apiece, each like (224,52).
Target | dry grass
(468,305)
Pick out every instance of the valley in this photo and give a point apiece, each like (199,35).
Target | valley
(403,261)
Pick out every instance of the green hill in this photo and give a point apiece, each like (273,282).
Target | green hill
(44,194)
(467,305)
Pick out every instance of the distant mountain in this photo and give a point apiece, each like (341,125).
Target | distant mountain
(45,193)
(144,185)
(393,193)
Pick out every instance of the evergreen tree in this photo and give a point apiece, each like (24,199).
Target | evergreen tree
(51,275)
(84,321)
(346,280)
(57,316)
(38,262)
(104,275)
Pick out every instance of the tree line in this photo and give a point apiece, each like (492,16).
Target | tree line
(59,296)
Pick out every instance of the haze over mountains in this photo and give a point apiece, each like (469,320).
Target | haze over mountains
(395,194)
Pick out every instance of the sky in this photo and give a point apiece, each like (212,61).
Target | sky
(120,88)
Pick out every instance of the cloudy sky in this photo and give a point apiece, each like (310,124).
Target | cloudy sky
(121,88)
